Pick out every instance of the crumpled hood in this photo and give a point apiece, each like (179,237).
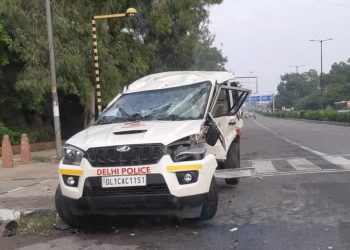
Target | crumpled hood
(164,132)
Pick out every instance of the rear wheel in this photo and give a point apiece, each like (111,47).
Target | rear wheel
(64,210)
(211,203)
(233,160)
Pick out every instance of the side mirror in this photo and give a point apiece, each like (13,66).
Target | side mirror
(213,135)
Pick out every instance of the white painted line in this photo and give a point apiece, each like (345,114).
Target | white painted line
(338,160)
(290,141)
(263,167)
(16,189)
(303,164)
(46,181)
(289,158)
(324,171)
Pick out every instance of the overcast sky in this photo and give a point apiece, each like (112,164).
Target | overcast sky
(267,36)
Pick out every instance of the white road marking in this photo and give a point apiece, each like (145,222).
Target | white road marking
(324,171)
(290,141)
(16,189)
(46,181)
(263,167)
(338,160)
(289,158)
(303,164)
(20,188)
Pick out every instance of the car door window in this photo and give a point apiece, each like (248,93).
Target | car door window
(221,107)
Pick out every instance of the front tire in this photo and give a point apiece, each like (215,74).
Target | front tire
(210,205)
(233,160)
(64,210)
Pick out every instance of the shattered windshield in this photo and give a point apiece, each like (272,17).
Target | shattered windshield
(179,103)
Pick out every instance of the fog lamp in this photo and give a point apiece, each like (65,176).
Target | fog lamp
(70,181)
(187,177)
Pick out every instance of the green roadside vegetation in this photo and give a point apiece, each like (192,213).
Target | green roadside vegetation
(163,36)
(317,115)
(39,222)
(301,91)
(300,97)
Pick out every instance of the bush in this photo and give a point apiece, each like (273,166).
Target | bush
(318,115)
(15,137)
(37,135)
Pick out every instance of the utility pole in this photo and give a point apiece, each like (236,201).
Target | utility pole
(296,67)
(322,85)
(56,112)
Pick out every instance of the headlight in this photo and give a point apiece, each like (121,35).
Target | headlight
(190,148)
(72,155)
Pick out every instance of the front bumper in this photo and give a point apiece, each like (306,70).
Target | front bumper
(161,204)
(162,193)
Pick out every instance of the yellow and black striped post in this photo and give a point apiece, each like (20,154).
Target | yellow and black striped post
(129,12)
(97,69)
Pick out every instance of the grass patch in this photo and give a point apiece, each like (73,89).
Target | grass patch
(41,159)
(38,222)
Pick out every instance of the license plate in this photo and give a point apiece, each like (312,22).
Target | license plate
(124,181)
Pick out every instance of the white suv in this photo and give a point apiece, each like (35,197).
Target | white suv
(155,149)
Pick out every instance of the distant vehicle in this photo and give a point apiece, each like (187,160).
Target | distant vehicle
(155,149)
(343,106)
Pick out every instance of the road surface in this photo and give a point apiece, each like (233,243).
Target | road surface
(299,200)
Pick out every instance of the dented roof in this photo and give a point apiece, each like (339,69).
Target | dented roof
(177,78)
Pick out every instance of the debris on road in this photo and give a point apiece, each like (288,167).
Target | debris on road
(233,229)
(9,228)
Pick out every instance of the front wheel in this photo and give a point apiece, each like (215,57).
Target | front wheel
(211,203)
(64,210)
(233,160)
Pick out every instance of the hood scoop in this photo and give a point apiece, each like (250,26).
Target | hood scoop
(129,132)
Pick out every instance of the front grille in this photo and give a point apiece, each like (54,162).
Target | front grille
(137,155)
(155,185)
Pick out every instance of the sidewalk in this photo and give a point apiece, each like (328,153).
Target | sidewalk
(31,186)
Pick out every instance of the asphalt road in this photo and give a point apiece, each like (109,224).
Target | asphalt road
(299,200)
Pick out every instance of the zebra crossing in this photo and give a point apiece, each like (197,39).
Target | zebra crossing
(297,166)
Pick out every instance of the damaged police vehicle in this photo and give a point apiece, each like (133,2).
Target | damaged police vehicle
(156,149)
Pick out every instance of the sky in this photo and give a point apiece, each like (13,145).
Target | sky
(265,37)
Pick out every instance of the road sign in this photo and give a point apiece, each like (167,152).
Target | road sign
(266,98)
(262,98)
(256,98)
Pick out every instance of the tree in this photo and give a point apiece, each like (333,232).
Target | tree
(165,35)
(294,86)
(338,84)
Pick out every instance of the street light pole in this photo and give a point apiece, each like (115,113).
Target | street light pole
(98,97)
(322,85)
(56,113)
